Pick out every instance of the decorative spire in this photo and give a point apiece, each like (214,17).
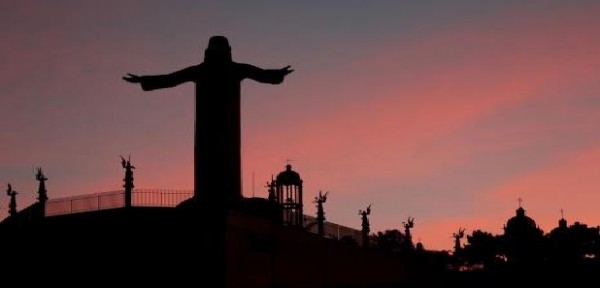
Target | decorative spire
(42,193)
(12,206)
(365,225)
(128,179)
(410,223)
(457,236)
(562,223)
(322,198)
(271,189)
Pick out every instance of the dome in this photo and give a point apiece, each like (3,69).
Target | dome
(520,221)
(288,177)
(521,225)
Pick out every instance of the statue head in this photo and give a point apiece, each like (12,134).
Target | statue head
(218,50)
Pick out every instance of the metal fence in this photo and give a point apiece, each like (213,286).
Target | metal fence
(165,198)
(332,230)
(116,199)
(159,197)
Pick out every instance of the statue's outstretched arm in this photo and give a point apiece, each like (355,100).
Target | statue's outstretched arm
(272,76)
(151,82)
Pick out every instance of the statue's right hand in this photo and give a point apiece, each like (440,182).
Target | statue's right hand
(131,78)
(286,70)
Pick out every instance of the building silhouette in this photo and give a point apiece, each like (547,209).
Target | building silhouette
(269,241)
(523,239)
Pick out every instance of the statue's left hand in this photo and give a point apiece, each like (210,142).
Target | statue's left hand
(131,78)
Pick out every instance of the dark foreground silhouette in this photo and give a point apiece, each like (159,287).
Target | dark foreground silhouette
(178,246)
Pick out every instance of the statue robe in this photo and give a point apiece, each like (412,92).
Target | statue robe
(217,139)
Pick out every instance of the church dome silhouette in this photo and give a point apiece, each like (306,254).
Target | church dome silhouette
(520,222)
(523,239)
(288,177)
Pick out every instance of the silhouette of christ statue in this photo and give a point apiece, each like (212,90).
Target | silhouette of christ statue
(217,155)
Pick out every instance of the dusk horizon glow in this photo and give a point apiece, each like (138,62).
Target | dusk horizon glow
(447,112)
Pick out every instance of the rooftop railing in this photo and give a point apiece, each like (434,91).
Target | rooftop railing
(162,198)
(116,199)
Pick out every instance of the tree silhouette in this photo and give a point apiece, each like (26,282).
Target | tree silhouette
(482,249)
(389,240)
(573,244)
(349,240)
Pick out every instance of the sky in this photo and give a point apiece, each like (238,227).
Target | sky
(445,111)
